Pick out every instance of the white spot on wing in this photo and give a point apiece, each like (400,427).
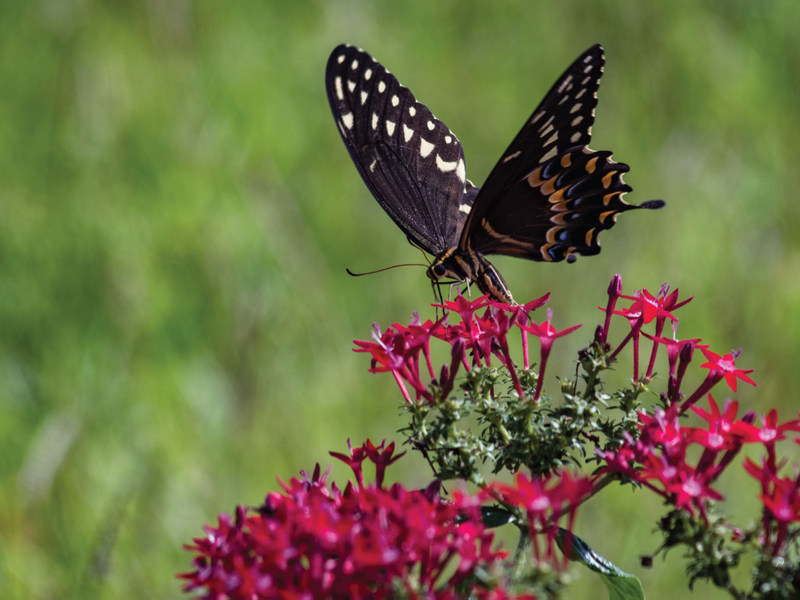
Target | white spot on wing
(588,69)
(445,166)
(374,120)
(395,100)
(372,165)
(550,154)
(425,147)
(547,125)
(337,83)
(580,93)
(354,64)
(367,74)
(381,87)
(575,137)
(364,97)
(351,85)
(347,120)
(448,139)
(408,133)
(461,170)
(412,111)
(340,59)
(552,139)
(390,125)
(465,208)
(431,125)
(575,108)
(576,120)
(512,156)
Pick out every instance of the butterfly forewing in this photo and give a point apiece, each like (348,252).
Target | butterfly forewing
(411,162)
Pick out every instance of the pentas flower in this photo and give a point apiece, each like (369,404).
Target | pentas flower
(614,291)
(315,541)
(720,367)
(544,500)
(722,432)
(653,307)
(645,308)
(682,484)
(399,349)
(727,365)
(547,334)
(780,497)
(769,433)
(658,459)
(679,355)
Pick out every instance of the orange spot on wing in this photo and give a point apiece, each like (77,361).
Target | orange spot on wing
(609,213)
(556,197)
(550,236)
(534,179)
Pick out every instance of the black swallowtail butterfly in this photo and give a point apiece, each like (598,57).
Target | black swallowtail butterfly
(547,199)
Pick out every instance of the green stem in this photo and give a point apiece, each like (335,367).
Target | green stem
(522,552)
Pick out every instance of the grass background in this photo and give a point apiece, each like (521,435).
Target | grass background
(177,211)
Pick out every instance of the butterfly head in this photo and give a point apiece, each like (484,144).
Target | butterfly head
(467,266)
(448,266)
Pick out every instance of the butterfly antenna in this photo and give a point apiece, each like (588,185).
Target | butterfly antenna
(420,248)
(351,273)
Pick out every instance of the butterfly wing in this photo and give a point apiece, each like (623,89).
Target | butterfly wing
(558,210)
(549,196)
(563,119)
(411,162)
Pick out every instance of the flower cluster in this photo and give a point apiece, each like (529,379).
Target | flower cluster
(484,410)
(367,541)
(543,500)
(657,447)
(482,336)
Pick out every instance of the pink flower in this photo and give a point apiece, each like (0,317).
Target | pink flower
(315,541)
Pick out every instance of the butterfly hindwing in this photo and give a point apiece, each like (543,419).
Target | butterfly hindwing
(557,210)
(411,162)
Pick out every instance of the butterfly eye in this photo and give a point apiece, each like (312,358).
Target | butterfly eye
(439,270)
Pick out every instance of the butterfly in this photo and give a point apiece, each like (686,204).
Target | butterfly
(546,199)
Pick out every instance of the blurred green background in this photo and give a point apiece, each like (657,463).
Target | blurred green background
(178,211)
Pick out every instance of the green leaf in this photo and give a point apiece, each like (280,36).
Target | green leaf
(494,516)
(620,585)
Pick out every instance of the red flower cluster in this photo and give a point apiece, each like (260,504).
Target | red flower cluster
(659,459)
(645,308)
(545,500)
(780,497)
(399,348)
(315,541)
